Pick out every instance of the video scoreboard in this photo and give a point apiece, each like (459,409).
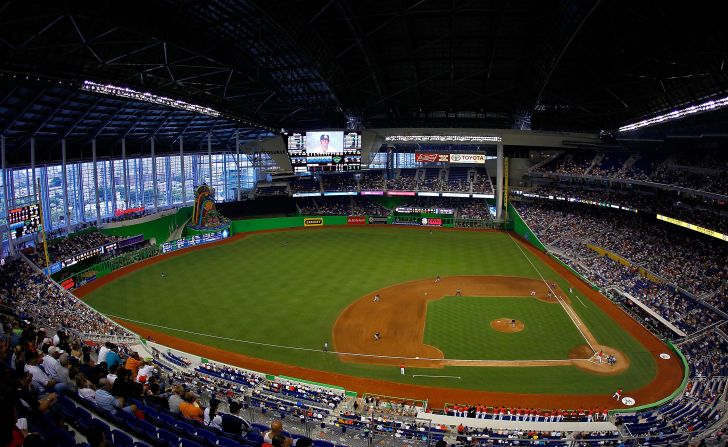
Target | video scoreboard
(324,151)
(24,221)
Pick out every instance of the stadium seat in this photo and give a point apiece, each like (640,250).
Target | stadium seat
(227,442)
(168,438)
(207,435)
(61,438)
(323,443)
(102,426)
(121,439)
(188,443)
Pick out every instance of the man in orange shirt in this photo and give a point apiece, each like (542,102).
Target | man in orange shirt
(190,409)
(132,364)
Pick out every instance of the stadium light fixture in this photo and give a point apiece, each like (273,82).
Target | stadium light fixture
(123,92)
(707,106)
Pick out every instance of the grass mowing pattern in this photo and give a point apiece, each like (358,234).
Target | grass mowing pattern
(288,288)
(460,328)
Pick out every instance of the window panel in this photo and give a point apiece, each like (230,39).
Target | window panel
(88,191)
(162,181)
(147,183)
(56,209)
(106,200)
(175,178)
(190,167)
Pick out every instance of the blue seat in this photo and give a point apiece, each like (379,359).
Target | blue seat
(168,437)
(322,443)
(185,427)
(121,439)
(145,428)
(227,442)
(141,444)
(167,419)
(207,435)
(67,404)
(83,419)
(254,437)
(188,443)
(101,426)
(61,438)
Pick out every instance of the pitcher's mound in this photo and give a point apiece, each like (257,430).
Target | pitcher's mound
(507,325)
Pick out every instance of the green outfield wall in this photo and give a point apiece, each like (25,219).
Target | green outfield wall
(276,223)
(522,229)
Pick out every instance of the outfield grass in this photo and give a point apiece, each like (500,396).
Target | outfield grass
(287,288)
(460,328)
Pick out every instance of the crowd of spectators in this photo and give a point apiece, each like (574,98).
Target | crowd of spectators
(362,206)
(683,257)
(482,184)
(339,182)
(371,181)
(406,180)
(711,214)
(700,171)
(65,247)
(305,184)
(35,297)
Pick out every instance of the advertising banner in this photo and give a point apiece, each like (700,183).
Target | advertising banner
(356,220)
(467,159)
(313,222)
(372,193)
(377,220)
(431,158)
(401,193)
(432,221)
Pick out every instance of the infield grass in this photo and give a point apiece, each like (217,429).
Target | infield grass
(460,328)
(287,288)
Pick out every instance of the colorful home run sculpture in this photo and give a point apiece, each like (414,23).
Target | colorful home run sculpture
(204,214)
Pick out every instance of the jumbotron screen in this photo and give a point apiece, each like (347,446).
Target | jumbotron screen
(24,220)
(324,151)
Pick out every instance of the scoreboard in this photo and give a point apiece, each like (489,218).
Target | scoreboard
(342,153)
(24,220)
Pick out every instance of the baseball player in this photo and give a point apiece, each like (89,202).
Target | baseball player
(377,298)
(437,279)
(617,394)
(326,346)
(377,336)
(458,293)
(401,368)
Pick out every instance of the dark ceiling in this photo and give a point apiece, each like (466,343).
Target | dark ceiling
(583,65)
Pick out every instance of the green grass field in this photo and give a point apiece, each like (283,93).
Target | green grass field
(460,327)
(287,288)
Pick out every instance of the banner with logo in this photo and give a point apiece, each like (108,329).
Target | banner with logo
(377,220)
(356,220)
(421,157)
(313,222)
(431,221)
(467,158)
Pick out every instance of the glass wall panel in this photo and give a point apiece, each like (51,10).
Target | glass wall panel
(190,176)
(147,183)
(119,188)
(89,192)
(75,197)
(106,197)
(162,183)
(175,178)
(55,197)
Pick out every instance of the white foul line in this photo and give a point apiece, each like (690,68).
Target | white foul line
(563,305)
(427,375)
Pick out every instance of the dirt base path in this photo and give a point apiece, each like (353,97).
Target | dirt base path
(400,313)
(507,325)
(668,377)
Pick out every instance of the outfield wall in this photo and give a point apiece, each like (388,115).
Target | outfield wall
(275,223)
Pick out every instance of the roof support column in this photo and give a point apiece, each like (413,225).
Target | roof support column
(126,173)
(5,192)
(237,161)
(96,182)
(64,182)
(182,167)
(32,166)
(154,178)
(209,158)
(499,184)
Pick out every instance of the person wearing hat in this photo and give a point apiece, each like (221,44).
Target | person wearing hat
(324,145)
(51,363)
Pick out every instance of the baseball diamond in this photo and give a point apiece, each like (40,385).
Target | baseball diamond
(419,321)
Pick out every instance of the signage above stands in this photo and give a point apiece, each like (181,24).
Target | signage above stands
(444,138)
(432,158)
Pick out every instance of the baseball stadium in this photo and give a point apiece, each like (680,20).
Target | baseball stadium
(345,224)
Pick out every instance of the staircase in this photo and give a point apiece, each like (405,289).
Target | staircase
(628,164)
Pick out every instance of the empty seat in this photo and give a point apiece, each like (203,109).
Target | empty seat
(121,439)
(167,437)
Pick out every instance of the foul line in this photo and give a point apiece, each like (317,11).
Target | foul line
(427,375)
(563,305)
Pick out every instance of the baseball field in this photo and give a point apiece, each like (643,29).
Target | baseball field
(504,324)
